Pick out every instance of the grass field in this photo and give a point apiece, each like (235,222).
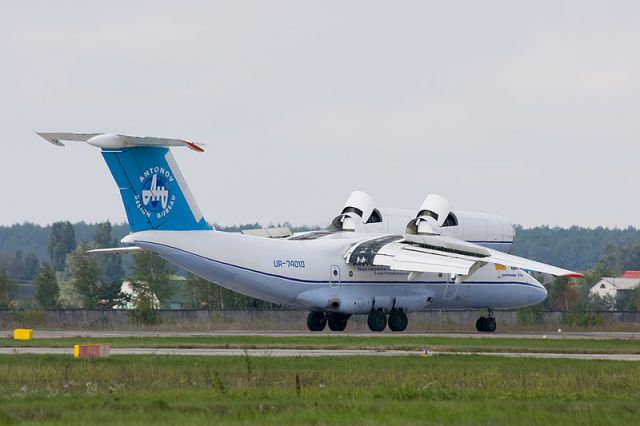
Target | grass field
(467,390)
(399,342)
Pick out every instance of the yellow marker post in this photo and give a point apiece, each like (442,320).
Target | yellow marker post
(22,334)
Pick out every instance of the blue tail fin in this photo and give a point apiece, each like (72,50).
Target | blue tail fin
(154,192)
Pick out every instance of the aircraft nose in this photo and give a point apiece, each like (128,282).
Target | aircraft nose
(538,293)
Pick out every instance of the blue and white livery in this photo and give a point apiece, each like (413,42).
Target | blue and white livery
(383,263)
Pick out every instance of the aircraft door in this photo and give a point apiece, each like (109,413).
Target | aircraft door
(334,276)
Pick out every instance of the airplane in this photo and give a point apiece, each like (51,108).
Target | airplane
(383,263)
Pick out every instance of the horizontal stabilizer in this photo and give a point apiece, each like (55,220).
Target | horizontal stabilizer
(281,232)
(118,250)
(111,141)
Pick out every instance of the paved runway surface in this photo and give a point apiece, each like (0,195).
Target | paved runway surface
(279,353)
(533,335)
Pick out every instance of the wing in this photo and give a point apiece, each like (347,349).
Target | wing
(438,254)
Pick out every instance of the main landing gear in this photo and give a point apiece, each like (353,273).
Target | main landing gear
(338,321)
(377,320)
(317,321)
(486,324)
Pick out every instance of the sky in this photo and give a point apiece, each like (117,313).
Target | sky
(525,109)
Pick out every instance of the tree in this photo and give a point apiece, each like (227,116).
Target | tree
(31,265)
(21,266)
(150,276)
(7,288)
(205,294)
(110,294)
(85,274)
(628,300)
(47,290)
(62,241)
(562,294)
(110,264)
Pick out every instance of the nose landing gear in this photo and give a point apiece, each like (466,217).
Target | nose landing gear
(486,324)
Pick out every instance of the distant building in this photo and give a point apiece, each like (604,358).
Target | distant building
(631,274)
(178,300)
(609,287)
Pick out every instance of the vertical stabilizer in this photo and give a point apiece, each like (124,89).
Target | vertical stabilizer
(153,190)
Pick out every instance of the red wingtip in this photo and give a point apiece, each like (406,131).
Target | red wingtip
(194,147)
(574,275)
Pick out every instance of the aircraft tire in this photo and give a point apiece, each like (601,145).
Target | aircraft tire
(490,325)
(486,324)
(398,320)
(377,321)
(316,321)
(337,321)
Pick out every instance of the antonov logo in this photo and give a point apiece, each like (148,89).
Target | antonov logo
(155,193)
(157,196)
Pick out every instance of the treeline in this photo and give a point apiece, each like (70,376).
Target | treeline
(574,248)
(55,259)
(65,275)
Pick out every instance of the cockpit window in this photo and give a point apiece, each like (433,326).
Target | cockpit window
(451,220)
(375,217)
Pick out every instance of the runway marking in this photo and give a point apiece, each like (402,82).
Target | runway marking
(293,353)
(53,334)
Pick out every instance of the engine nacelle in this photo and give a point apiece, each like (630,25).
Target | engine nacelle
(359,209)
(431,217)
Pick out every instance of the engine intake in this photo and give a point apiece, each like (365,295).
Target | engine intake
(359,209)
(431,216)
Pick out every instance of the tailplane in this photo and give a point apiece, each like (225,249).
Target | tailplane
(153,190)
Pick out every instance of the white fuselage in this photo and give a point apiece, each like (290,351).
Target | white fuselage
(312,274)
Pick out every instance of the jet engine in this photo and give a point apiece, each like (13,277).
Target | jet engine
(431,217)
(358,210)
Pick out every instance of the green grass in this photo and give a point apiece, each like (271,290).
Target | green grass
(461,390)
(403,342)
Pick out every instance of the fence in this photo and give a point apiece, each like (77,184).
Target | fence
(294,320)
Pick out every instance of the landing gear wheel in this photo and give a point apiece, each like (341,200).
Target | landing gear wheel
(398,320)
(338,322)
(490,324)
(377,321)
(316,321)
(486,324)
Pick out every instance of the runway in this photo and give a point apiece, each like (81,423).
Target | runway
(56,334)
(314,353)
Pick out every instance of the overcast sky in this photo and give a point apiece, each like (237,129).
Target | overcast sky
(525,109)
